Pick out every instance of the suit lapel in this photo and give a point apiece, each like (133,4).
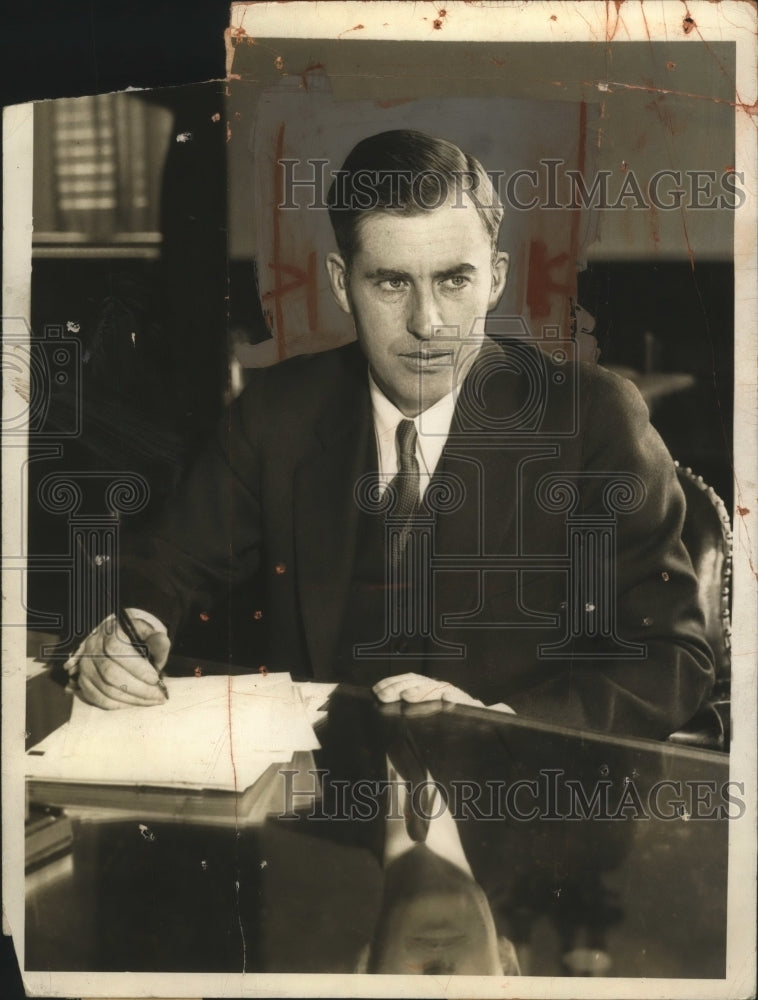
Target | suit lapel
(326,516)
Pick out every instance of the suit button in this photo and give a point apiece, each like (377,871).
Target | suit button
(280,569)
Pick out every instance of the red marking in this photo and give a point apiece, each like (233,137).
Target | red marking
(742,511)
(688,24)
(239,32)
(553,17)
(280,568)
(231,740)
(228,131)
(262,670)
(355,27)
(540,285)
(279,63)
(728,170)
(307,277)
(309,69)
(216,117)
(670,65)
(257,615)
(198,671)
(204,616)
(665,576)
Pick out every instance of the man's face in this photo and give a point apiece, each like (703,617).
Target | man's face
(418,289)
(435,920)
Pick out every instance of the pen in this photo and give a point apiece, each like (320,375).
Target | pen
(127,626)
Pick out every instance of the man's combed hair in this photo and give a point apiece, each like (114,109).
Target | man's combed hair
(407,172)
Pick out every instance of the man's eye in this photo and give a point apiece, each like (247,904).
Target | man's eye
(392,284)
(456,281)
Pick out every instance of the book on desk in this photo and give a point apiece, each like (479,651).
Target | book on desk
(213,753)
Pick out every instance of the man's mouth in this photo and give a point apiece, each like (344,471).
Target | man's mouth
(438,938)
(428,356)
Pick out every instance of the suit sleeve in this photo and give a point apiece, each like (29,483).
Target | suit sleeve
(656,590)
(208,536)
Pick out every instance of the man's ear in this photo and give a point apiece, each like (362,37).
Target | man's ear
(499,278)
(337,271)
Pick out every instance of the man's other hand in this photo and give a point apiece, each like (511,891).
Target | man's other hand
(415,688)
(111,672)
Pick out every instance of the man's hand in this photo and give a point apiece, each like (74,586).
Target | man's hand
(112,674)
(415,688)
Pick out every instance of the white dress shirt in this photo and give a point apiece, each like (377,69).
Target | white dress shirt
(432,428)
(442,837)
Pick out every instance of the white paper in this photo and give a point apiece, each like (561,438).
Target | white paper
(213,732)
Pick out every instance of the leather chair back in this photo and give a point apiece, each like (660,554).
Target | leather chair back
(707,536)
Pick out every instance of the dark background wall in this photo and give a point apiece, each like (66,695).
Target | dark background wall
(52,49)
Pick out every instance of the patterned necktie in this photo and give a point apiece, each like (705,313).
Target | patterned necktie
(405,486)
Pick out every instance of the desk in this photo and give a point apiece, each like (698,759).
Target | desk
(579,841)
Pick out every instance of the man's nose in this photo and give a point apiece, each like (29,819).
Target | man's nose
(424,316)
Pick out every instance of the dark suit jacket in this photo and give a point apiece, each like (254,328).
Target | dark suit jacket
(273,494)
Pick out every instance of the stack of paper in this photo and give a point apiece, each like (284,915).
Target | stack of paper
(215,732)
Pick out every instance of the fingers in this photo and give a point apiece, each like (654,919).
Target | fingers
(112,674)
(430,691)
(415,689)
(117,699)
(159,646)
(391,688)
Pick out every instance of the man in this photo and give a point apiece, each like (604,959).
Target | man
(465,434)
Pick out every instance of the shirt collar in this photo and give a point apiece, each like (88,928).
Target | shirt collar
(432,425)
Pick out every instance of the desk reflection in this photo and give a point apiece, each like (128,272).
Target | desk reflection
(560,852)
